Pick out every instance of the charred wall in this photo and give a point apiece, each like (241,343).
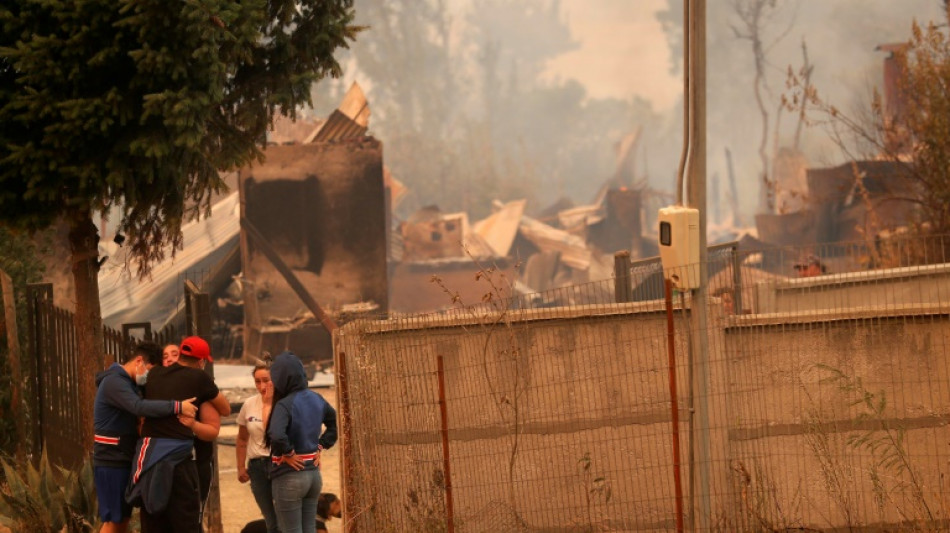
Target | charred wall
(322,208)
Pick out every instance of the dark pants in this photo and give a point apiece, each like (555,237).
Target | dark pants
(205,477)
(183,514)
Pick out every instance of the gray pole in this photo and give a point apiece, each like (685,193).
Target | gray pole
(696,198)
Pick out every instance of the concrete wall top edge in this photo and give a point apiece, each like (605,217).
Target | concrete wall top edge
(436,321)
(830,281)
(835,315)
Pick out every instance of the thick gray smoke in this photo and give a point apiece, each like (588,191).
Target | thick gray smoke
(463,96)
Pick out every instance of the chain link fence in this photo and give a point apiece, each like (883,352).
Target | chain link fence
(804,400)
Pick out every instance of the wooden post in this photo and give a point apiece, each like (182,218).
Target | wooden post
(258,241)
(16,375)
(252,335)
(198,322)
(38,296)
(623,289)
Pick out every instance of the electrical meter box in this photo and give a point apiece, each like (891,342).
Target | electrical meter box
(679,245)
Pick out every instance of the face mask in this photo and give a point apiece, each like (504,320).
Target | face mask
(141,378)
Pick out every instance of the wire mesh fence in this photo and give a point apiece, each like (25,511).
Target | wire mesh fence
(806,400)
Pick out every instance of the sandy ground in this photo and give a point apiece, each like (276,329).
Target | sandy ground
(237,503)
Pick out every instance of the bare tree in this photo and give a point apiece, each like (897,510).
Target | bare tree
(918,135)
(754,18)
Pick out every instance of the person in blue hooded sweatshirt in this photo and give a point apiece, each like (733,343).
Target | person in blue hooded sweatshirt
(296,436)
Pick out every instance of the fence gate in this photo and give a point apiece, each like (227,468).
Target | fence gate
(55,378)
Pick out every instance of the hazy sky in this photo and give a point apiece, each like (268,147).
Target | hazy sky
(622,53)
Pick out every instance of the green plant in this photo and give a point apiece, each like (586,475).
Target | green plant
(885,443)
(595,488)
(48,499)
(837,474)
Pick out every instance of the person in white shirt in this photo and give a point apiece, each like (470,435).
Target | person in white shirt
(253,456)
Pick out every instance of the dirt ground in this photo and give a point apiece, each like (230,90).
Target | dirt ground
(237,503)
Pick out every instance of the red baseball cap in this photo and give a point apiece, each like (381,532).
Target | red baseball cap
(196,347)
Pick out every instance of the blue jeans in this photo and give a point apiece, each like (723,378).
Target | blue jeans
(295,500)
(257,470)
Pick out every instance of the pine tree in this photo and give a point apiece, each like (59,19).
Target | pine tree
(140,104)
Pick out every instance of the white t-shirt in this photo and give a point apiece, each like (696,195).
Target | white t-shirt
(251,416)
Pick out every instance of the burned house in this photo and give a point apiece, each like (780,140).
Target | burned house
(850,202)
(313,235)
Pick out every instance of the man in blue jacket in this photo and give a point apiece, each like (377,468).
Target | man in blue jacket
(117,410)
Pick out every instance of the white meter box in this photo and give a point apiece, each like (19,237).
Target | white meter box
(679,245)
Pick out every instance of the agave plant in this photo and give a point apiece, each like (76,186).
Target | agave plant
(44,499)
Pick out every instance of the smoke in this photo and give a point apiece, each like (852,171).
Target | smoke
(476,99)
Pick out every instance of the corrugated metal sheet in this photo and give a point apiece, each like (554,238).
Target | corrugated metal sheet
(349,121)
(120,289)
(338,127)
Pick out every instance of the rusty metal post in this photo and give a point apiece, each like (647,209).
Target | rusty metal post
(16,376)
(671,349)
(446,463)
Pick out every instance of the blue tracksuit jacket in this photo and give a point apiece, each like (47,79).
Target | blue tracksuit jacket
(117,410)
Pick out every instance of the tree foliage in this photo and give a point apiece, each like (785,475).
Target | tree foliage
(139,104)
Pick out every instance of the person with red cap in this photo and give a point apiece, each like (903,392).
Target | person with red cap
(171,470)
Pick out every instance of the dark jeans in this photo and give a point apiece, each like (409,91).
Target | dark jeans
(183,514)
(258,470)
(295,500)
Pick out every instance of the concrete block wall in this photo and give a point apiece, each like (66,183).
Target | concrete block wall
(529,399)
(526,403)
(840,422)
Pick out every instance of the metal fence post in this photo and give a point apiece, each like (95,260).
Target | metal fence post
(446,462)
(623,291)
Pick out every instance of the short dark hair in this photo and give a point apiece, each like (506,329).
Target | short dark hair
(151,352)
(323,504)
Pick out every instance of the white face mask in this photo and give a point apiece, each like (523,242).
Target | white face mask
(141,378)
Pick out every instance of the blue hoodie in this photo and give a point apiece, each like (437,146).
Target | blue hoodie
(116,415)
(297,420)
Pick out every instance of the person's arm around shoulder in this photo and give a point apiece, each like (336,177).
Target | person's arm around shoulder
(208,424)
(123,395)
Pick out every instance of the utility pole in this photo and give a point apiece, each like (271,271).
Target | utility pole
(696,198)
